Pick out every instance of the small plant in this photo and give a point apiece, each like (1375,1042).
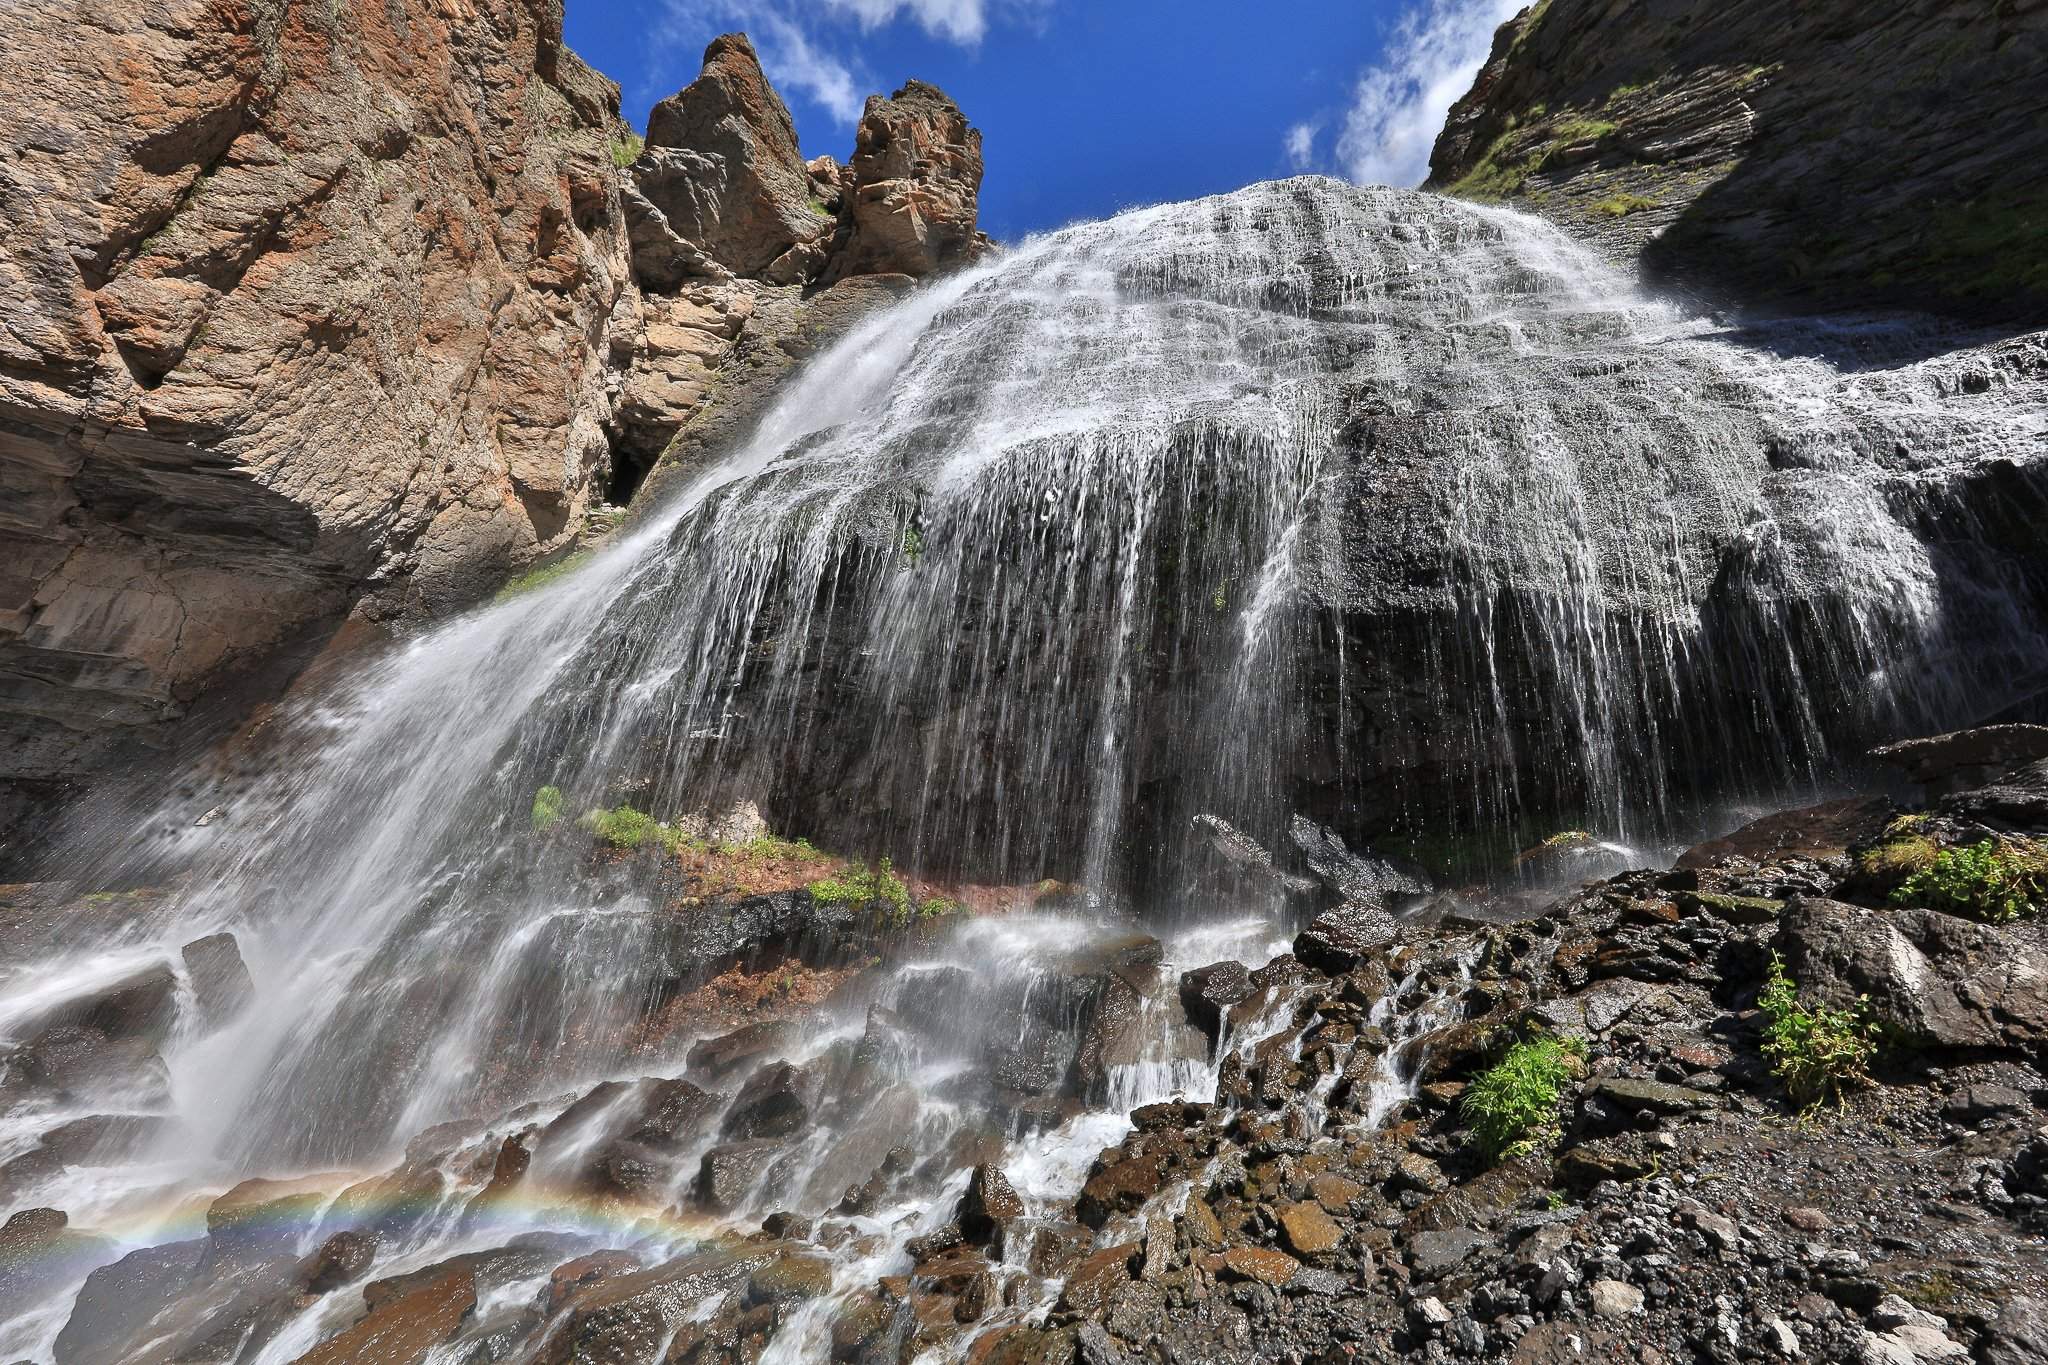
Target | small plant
(626,150)
(859,885)
(1816,1052)
(1622,205)
(818,207)
(547,808)
(1903,853)
(625,827)
(1996,881)
(912,545)
(767,848)
(541,575)
(1515,1099)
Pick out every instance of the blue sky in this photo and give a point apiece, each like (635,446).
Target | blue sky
(1088,106)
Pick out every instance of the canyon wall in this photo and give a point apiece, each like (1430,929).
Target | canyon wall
(1823,156)
(311,313)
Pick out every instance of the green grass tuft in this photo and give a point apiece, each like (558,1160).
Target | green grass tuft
(1516,1098)
(1816,1052)
(1622,205)
(1997,881)
(547,808)
(540,575)
(626,150)
(861,886)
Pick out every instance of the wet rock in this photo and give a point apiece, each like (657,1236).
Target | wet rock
(1310,1231)
(792,1278)
(1241,856)
(140,1006)
(628,1319)
(726,1173)
(1095,1281)
(715,1058)
(72,1062)
(403,1330)
(1137,1312)
(1338,940)
(1260,1264)
(342,1259)
(1585,1164)
(1828,830)
(1354,878)
(261,1217)
(118,1301)
(775,1102)
(221,985)
(1118,1187)
(1207,992)
(38,1254)
(2018,802)
(1957,762)
(1656,1097)
(499,1337)
(989,1202)
(1937,978)
(1056,1247)
(565,1279)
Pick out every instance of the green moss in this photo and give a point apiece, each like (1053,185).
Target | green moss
(1515,1099)
(862,886)
(1498,173)
(625,827)
(769,848)
(912,545)
(547,808)
(1579,130)
(1817,1052)
(626,149)
(541,575)
(1622,205)
(818,207)
(1998,881)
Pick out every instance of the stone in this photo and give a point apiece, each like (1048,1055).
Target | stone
(1207,992)
(221,985)
(1808,1219)
(715,1058)
(1203,1231)
(1938,979)
(989,1202)
(1957,762)
(1263,1265)
(790,1279)
(1635,1096)
(1094,1283)
(1334,1192)
(405,1330)
(2018,1335)
(1437,1253)
(1338,940)
(1828,830)
(726,1173)
(1310,1232)
(1614,1299)
(775,1102)
(1976,1103)
(630,1318)
(342,1259)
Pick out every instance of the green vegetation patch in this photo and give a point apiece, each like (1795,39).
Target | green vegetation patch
(540,575)
(1816,1052)
(1902,854)
(547,808)
(859,885)
(626,150)
(625,827)
(1997,881)
(1622,205)
(1515,1100)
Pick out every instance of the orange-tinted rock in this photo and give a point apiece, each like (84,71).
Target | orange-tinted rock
(913,188)
(405,1329)
(1268,1267)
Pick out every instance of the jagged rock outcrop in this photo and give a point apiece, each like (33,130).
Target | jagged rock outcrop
(1830,154)
(911,189)
(749,258)
(302,310)
(722,169)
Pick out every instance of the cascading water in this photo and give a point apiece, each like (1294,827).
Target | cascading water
(1359,502)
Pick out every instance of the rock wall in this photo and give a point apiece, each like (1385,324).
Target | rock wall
(329,311)
(304,310)
(1824,155)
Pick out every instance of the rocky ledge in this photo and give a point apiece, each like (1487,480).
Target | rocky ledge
(1784,1100)
(1827,154)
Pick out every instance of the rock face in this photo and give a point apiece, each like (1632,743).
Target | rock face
(1833,154)
(303,309)
(915,175)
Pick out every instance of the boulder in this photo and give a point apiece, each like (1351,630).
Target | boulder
(990,1202)
(403,1330)
(2017,801)
(775,1102)
(221,985)
(722,167)
(629,1319)
(716,1057)
(726,1174)
(911,189)
(1336,941)
(1361,878)
(1957,762)
(1827,830)
(1207,992)
(1940,980)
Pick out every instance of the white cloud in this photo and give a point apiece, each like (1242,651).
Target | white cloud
(793,61)
(1301,145)
(962,21)
(1398,107)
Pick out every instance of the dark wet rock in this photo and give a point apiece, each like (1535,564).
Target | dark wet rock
(989,1202)
(221,985)
(1242,856)
(565,1279)
(261,1217)
(525,1256)
(2018,1335)
(1261,1265)
(138,1007)
(342,1259)
(715,1058)
(1634,1096)
(1209,991)
(1957,762)
(39,1253)
(788,1279)
(1936,978)
(499,1337)
(726,1173)
(1354,878)
(118,1301)
(776,1101)
(1093,1283)
(1338,940)
(1828,830)
(2018,801)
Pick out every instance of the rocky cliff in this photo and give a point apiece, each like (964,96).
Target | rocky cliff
(314,311)
(304,311)
(1823,155)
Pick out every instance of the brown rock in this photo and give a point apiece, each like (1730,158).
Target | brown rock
(307,314)
(722,167)
(990,1202)
(1094,1282)
(1309,1230)
(913,183)
(1268,1267)
(403,1330)
(565,1279)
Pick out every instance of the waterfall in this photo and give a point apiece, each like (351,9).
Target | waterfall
(1403,513)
